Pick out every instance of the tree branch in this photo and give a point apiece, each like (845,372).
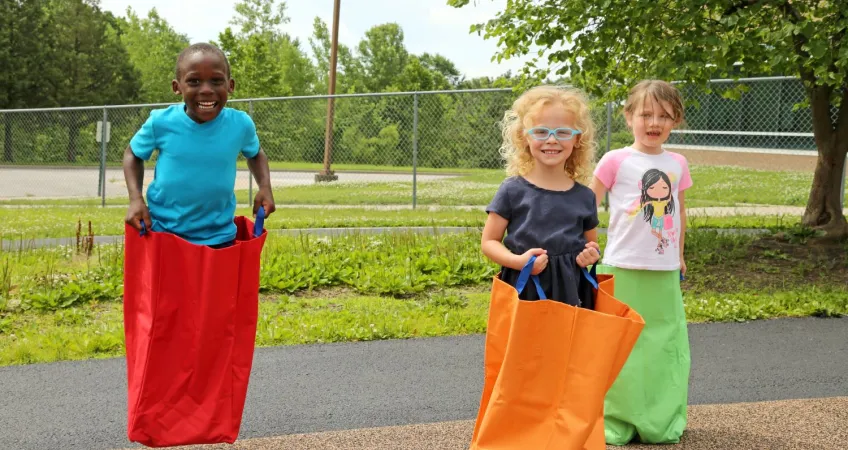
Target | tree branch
(793,12)
(739,6)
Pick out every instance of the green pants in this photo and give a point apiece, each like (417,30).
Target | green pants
(650,395)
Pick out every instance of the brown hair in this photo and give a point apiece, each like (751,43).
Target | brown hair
(660,91)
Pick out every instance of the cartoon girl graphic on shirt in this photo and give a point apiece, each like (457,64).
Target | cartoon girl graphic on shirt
(657,205)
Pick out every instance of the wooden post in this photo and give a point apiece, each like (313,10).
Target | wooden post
(326,174)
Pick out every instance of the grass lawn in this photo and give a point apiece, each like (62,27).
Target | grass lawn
(60,304)
(714,186)
(21,225)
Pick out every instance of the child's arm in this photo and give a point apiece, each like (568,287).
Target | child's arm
(592,253)
(492,246)
(600,192)
(682,231)
(258,166)
(134,177)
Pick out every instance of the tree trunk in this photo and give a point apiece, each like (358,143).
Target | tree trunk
(7,140)
(824,209)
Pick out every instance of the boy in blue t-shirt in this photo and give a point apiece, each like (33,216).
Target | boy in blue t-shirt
(191,194)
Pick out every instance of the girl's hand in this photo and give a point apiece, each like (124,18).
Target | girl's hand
(541,262)
(590,255)
(682,267)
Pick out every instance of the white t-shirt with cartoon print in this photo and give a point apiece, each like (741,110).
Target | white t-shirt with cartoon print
(644,228)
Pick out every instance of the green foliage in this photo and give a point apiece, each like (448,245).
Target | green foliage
(153,46)
(23,49)
(360,287)
(59,278)
(606,49)
(415,263)
(132,58)
(265,61)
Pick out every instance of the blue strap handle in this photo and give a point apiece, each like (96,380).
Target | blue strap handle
(525,276)
(591,276)
(259,225)
(143,228)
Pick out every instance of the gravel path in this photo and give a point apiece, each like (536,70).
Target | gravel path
(815,424)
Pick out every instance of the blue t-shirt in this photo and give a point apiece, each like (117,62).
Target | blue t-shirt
(191,194)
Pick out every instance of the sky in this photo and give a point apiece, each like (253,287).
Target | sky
(428,25)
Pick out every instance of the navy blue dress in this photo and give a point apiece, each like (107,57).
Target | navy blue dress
(552,220)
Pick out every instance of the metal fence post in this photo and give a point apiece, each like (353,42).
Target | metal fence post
(249,175)
(414,150)
(104,136)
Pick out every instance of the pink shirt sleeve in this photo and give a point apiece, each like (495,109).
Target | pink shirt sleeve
(607,167)
(685,177)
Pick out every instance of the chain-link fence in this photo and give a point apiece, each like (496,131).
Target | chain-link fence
(388,137)
(758,113)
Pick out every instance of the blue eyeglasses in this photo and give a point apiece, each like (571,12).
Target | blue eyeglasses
(560,134)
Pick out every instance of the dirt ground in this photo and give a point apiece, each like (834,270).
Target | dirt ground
(762,161)
(789,258)
(814,424)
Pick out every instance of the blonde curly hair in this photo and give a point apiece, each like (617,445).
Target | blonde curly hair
(515,149)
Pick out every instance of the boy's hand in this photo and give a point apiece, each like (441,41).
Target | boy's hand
(590,255)
(265,199)
(136,213)
(541,262)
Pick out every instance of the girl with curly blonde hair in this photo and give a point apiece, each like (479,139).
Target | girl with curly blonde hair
(550,218)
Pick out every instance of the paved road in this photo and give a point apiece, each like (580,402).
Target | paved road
(61,183)
(302,389)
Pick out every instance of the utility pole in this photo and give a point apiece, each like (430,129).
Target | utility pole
(326,174)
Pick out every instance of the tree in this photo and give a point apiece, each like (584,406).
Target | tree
(262,17)
(253,67)
(24,39)
(265,61)
(442,65)
(153,46)
(611,48)
(383,56)
(89,65)
(347,64)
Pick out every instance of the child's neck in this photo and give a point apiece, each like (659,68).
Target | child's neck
(642,148)
(550,178)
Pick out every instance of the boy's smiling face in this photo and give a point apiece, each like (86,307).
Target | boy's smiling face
(204,85)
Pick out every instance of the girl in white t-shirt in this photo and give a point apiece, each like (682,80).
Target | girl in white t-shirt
(644,251)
